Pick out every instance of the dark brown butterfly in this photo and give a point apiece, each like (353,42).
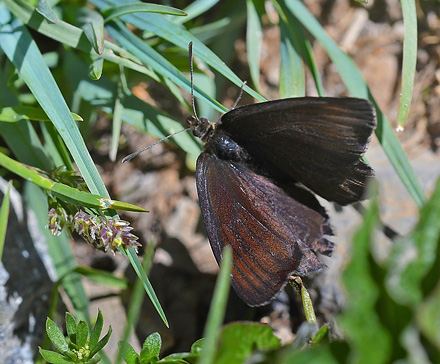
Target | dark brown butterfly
(247,181)
(251,177)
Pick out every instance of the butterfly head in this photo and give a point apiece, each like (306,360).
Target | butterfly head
(202,128)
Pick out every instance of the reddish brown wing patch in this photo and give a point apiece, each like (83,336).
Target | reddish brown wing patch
(271,235)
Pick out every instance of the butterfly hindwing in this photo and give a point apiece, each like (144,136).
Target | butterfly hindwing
(317,141)
(271,235)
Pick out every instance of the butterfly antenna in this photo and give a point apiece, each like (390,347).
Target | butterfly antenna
(239,96)
(191,67)
(132,155)
(236,101)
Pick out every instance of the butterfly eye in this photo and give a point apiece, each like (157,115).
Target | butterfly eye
(192,120)
(201,128)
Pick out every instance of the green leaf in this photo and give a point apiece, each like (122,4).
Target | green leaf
(130,356)
(82,333)
(56,336)
(96,331)
(95,70)
(321,335)
(409,58)
(55,358)
(321,355)
(4,216)
(412,258)
(117,11)
(197,346)
(71,327)
(360,320)
(238,341)
(154,343)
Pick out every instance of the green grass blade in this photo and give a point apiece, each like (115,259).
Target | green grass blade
(195,9)
(134,260)
(302,45)
(116,123)
(357,86)
(4,217)
(254,40)
(217,309)
(16,113)
(292,77)
(46,10)
(117,11)
(409,59)
(64,192)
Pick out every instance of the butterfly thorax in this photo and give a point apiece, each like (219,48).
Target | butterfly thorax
(224,147)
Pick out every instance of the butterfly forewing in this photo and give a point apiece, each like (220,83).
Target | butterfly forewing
(271,234)
(316,141)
